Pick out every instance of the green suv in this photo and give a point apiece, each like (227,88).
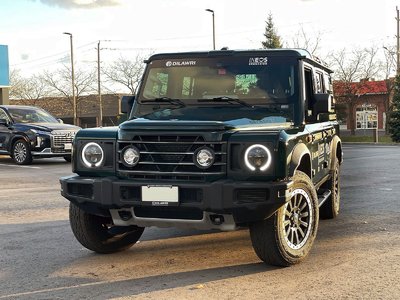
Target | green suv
(214,140)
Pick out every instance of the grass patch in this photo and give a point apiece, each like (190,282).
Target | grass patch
(386,139)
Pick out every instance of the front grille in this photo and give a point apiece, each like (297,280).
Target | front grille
(171,158)
(59,139)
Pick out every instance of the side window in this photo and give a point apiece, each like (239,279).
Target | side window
(319,82)
(3,115)
(308,89)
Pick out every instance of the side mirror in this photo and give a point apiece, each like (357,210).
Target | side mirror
(4,122)
(127,103)
(60,121)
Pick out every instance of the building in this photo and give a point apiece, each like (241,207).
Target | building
(88,110)
(363,106)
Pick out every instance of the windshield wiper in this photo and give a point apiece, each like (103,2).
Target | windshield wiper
(167,100)
(225,99)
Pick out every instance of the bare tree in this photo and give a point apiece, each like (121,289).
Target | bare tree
(125,72)
(29,90)
(60,83)
(303,40)
(358,65)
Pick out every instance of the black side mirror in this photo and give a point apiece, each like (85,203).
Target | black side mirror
(127,103)
(4,122)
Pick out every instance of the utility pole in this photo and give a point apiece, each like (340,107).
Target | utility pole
(398,42)
(100,122)
(213,24)
(73,78)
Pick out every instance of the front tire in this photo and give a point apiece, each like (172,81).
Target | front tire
(287,236)
(67,158)
(94,232)
(21,153)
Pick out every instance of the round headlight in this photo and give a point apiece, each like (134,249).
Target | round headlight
(92,155)
(257,157)
(130,156)
(204,158)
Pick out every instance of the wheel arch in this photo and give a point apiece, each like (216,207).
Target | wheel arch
(336,151)
(300,160)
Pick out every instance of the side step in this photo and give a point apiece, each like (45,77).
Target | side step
(323,197)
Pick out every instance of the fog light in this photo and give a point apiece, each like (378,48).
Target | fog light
(130,156)
(204,158)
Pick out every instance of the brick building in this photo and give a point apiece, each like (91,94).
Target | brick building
(87,109)
(363,106)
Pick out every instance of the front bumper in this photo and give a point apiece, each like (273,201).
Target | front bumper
(237,202)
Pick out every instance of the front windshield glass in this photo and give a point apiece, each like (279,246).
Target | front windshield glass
(31,115)
(234,88)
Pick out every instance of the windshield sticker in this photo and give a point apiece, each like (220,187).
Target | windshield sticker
(180,63)
(258,61)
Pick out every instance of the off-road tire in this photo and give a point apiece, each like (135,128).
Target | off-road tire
(21,153)
(330,208)
(274,239)
(93,232)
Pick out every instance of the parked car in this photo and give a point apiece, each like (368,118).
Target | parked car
(28,132)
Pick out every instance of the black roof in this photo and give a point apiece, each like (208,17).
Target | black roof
(299,53)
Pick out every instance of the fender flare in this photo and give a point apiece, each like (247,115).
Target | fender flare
(336,151)
(299,152)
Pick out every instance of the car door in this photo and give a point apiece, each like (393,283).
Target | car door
(5,132)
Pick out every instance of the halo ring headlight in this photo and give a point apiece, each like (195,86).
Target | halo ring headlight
(257,157)
(92,155)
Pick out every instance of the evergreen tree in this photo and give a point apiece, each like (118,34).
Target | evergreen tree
(272,39)
(394,117)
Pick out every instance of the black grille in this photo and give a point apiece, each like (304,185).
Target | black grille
(171,158)
(244,196)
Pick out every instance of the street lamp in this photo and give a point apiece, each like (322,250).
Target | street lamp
(213,20)
(73,77)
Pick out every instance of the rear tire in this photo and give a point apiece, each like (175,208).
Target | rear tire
(93,232)
(287,236)
(21,153)
(330,208)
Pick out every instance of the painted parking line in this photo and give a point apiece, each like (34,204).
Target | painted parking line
(18,166)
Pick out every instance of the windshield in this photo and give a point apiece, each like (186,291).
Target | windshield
(257,88)
(31,115)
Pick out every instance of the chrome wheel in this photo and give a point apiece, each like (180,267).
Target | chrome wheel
(20,152)
(298,219)
(336,190)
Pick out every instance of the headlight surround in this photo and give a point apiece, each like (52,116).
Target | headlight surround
(92,155)
(130,156)
(257,157)
(204,158)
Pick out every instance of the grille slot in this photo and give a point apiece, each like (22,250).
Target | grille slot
(244,196)
(171,157)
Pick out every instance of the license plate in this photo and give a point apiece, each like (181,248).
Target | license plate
(68,146)
(160,194)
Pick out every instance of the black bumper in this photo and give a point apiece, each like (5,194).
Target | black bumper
(245,201)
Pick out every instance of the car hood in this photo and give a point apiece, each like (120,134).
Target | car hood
(48,126)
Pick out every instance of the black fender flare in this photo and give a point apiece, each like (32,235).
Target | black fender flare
(299,152)
(336,151)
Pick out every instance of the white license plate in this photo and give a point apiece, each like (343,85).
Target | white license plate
(68,146)
(160,194)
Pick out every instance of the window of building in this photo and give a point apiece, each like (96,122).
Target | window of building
(366,116)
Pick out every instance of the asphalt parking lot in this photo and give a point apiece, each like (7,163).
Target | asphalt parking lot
(356,256)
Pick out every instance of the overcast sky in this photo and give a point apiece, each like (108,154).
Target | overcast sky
(33,28)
